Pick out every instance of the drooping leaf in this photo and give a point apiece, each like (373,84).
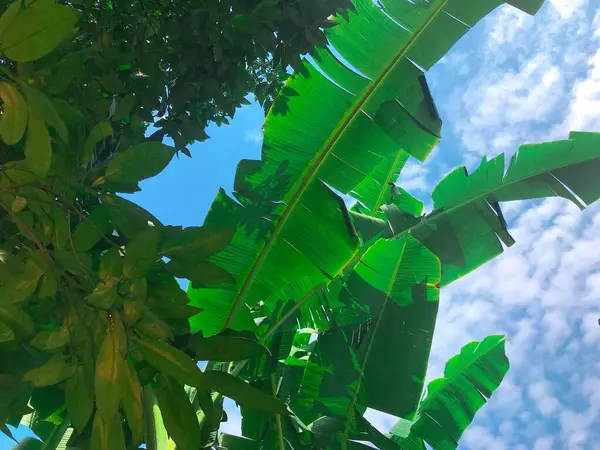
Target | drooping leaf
(178,414)
(36,30)
(131,398)
(109,364)
(79,399)
(155,432)
(107,434)
(14,114)
(169,360)
(229,345)
(201,273)
(43,108)
(139,162)
(242,392)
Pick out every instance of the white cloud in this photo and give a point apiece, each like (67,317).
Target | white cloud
(546,403)
(566,8)
(544,443)
(253,136)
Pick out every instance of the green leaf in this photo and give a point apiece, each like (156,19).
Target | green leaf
(103,296)
(100,131)
(6,333)
(470,378)
(37,30)
(79,399)
(177,412)
(43,108)
(14,114)
(139,162)
(232,442)
(111,265)
(195,244)
(131,397)
(53,372)
(108,366)
(170,361)
(38,149)
(107,434)
(51,339)
(155,432)
(20,287)
(141,253)
(76,263)
(243,393)
(91,229)
(16,318)
(201,273)
(467,228)
(229,345)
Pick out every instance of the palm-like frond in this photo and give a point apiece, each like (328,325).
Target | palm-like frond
(331,126)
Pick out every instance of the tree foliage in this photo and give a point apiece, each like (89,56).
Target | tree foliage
(306,312)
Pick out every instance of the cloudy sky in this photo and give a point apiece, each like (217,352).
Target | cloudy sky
(513,79)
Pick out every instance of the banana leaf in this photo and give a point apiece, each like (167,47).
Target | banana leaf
(467,227)
(340,122)
(470,378)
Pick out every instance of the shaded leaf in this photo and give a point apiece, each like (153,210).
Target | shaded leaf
(195,244)
(131,397)
(54,371)
(79,399)
(139,162)
(141,253)
(178,414)
(107,434)
(243,393)
(229,345)
(38,149)
(107,387)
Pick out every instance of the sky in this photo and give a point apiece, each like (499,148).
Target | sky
(513,79)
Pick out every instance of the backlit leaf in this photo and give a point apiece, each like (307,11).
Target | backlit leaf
(79,399)
(141,253)
(14,114)
(36,30)
(108,366)
(54,371)
(139,162)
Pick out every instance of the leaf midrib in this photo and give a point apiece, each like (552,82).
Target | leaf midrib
(310,176)
(361,375)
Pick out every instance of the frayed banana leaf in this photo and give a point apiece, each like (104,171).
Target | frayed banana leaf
(470,378)
(467,228)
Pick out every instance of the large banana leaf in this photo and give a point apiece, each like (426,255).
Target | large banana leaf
(397,281)
(467,229)
(331,126)
(470,378)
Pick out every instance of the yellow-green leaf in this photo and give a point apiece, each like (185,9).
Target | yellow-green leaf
(42,106)
(169,360)
(107,434)
(108,366)
(37,30)
(53,372)
(14,114)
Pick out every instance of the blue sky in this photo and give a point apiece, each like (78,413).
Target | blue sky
(512,79)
